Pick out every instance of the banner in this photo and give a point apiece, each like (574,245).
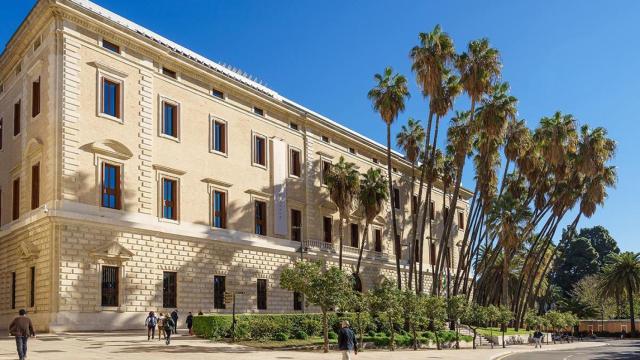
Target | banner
(280,187)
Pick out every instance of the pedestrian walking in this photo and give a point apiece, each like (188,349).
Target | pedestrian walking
(347,342)
(161,327)
(174,317)
(537,337)
(190,323)
(169,327)
(150,322)
(22,328)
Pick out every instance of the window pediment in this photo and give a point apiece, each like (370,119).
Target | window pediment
(109,147)
(27,250)
(113,251)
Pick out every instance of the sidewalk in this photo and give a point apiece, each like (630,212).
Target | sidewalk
(134,346)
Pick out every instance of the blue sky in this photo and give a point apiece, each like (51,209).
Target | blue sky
(579,57)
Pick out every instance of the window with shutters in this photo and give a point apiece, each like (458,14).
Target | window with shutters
(327,223)
(16,118)
(35,98)
(259,150)
(219,136)
(355,236)
(169,199)
(262,294)
(170,119)
(294,162)
(35,186)
(219,287)
(110,285)
(169,289)
(15,210)
(296,225)
(219,209)
(260,214)
(111,187)
(377,236)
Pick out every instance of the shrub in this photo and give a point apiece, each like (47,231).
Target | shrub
(212,327)
(281,336)
(333,335)
(299,334)
(311,326)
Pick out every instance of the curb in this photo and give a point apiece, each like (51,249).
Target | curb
(505,354)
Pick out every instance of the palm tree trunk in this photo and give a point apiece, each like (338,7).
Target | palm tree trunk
(412,244)
(424,207)
(365,238)
(341,238)
(396,240)
(505,277)
(631,308)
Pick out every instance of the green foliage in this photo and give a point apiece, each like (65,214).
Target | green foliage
(533,320)
(281,336)
(474,316)
(577,260)
(602,242)
(504,315)
(212,327)
(332,335)
(385,301)
(300,334)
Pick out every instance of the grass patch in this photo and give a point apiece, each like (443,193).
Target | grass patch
(273,344)
(496,331)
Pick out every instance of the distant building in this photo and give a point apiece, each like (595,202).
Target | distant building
(609,326)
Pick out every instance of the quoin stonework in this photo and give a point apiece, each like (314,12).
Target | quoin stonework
(137,175)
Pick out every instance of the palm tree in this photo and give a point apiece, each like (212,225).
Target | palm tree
(388,97)
(372,196)
(622,275)
(410,139)
(343,181)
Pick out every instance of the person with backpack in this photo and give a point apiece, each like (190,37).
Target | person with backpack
(189,322)
(537,337)
(174,317)
(150,322)
(161,327)
(169,327)
(347,342)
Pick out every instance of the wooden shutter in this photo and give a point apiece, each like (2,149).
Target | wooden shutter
(35,186)
(35,98)
(16,199)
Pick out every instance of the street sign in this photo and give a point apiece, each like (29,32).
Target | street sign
(228,298)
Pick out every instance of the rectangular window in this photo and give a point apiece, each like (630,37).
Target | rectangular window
(217,93)
(219,209)
(297,300)
(219,287)
(352,150)
(111,188)
(414,204)
(397,246)
(15,211)
(169,289)
(396,198)
(325,138)
(170,119)
(169,199)
(326,167)
(35,186)
(375,161)
(37,42)
(169,73)
(296,225)
(460,220)
(258,111)
(110,284)
(13,290)
(16,118)
(260,150)
(327,229)
(111,46)
(32,286)
(432,211)
(355,236)
(377,236)
(261,217)
(294,162)
(219,136)
(35,98)
(294,126)
(262,294)
(1,132)
(110,98)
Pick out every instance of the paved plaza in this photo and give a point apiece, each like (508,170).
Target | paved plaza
(134,346)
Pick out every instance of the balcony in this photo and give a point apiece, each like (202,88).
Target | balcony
(348,251)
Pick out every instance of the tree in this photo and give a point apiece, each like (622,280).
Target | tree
(343,181)
(385,300)
(327,289)
(602,242)
(622,276)
(414,307)
(556,320)
(388,97)
(492,313)
(586,294)
(456,308)
(373,193)
(577,260)
(504,317)
(474,316)
(435,310)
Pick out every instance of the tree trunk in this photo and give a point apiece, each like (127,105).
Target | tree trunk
(425,208)
(631,308)
(414,214)
(325,331)
(392,342)
(341,238)
(396,240)
(365,238)
(505,276)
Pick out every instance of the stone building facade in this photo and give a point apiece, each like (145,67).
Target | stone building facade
(136,175)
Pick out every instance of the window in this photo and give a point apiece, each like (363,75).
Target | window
(15,211)
(0,207)
(259,150)
(32,286)
(355,236)
(169,73)
(111,46)
(375,161)
(325,138)
(262,294)
(261,217)
(18,68)
(377,237)
(35,98)
(110,282)
(169,119)
(219,136)
(258,111)
(397,246)
(294,126)
(352,150)
(327,229)
(395,169)
(414,204)
(110,102)
(296,225)
(169,289)
(35,186)
(294,162)
(460,220)
(297,300)
(1,88)
(396,198)
(219,288)
(1,132)
(217,93)
(219,209)
(16,118)
(37,42)
(326,167)
(111,188)
(432,211)
(432,253)
(169,199)
(13,290)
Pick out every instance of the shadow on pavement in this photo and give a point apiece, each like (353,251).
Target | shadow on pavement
(185,349)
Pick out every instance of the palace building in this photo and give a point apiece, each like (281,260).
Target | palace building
(137,175)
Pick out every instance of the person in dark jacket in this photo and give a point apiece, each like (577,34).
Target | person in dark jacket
(22,328)
(174,317)
(189,322)
(169,327)
(347,342)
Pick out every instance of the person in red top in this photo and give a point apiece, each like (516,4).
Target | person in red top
(22,328)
